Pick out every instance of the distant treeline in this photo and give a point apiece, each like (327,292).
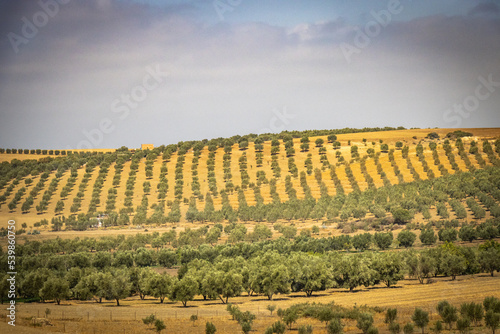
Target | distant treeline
(219,141)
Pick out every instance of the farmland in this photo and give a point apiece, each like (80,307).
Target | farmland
(393,218)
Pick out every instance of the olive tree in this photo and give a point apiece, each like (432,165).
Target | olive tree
(420,318)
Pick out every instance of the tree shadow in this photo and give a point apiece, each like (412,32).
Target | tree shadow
(264,298)
(384,287)
(186,307)
(350,291)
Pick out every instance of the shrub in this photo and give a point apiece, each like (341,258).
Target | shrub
(420,318)
(150,319)
(394,328)
(432,135)
(463,325)
(408,328)
(246,327)
(307,329)
(447,312)
(492,320)
(391,315)
(335,327)
(278,327)
(159,325)
(210,328)
(438,326)
(472,311)
(365,321)
(491,304)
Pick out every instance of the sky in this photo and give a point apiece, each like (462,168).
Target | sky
(111,73)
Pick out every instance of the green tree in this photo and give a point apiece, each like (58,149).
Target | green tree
(364,322)
(489,256)
(401,216)
(59,207)
(228,284)
(467,233)
(332,138)
(453,264)
(117,285)
(160,285)
(159,325)
(270,275)
(406,238)
(491,304)
(305,329)
(353,271)
(289,232)
(383,240)
(56,289)
(361,241)
(391,315)
(447,312)
(184,290)
(315,229)
(463,325)
(193,318)
(472,311)
(438,326)
(420,318)
(492,320)
(213,235)
(428,237)
(447,235)
(290,317)
(149,320)
(389,268)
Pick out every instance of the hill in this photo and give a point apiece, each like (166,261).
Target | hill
(290,176)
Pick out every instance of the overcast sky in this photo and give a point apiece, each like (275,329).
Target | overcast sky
(103,73)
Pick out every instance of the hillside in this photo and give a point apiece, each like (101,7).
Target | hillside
(180,182)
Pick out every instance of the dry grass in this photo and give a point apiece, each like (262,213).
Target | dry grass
(85,317)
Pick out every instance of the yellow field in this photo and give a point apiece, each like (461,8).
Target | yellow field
(90,317)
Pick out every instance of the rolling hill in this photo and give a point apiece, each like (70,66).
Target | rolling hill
(249,178)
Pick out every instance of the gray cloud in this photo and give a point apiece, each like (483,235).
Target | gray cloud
(485,8)
(226,78)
